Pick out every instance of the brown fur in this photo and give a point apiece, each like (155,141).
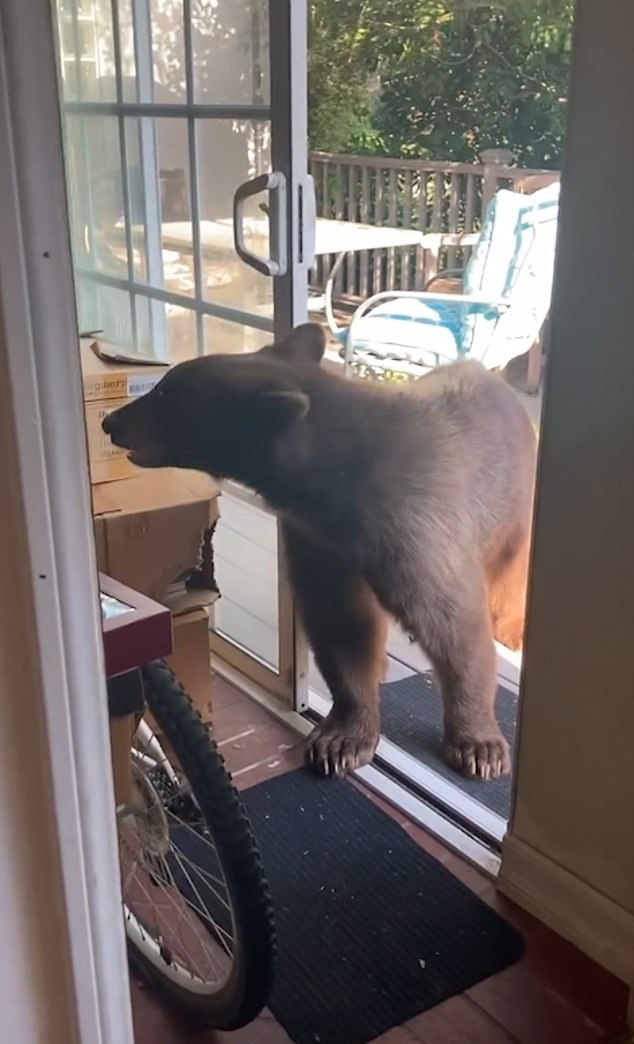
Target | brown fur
(405,501)
(507,595)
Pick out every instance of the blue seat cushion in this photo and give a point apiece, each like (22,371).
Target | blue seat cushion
(411,330)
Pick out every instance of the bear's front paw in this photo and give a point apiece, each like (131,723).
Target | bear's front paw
(340,744)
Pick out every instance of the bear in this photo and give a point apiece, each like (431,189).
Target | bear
(410,501)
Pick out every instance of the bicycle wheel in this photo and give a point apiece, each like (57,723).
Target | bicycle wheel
(197,908)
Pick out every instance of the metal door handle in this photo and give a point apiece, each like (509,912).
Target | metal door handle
(275,183)
(307,220)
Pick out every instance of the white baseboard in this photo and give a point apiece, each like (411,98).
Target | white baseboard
(595,924)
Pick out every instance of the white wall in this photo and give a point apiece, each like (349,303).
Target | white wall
(570,856)
(35,985)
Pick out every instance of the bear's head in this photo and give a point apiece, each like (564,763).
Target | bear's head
(217,412)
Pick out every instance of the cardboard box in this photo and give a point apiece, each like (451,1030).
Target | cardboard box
(190,660)
(109,384)
(150,531)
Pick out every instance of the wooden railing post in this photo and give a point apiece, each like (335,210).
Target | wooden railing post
(492,160)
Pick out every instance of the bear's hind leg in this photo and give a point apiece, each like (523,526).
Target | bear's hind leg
(507,596)
(453,627)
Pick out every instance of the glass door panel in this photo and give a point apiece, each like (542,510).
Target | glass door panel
(168,110)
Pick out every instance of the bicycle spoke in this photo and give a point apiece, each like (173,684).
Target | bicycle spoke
(207,915)
(180,914)
(191,924)
(203,873)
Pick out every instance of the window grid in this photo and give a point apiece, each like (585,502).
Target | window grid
(193,172)
(145,111)
(123,150)
(141,21)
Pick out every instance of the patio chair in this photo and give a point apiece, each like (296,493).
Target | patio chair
(505,299)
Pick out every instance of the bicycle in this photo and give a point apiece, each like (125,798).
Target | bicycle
(197,908)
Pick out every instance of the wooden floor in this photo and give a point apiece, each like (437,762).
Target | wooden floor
(554,996)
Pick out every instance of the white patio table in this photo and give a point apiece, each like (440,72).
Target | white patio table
(336,238)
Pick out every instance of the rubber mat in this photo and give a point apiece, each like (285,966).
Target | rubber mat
(411,717)
(372,930)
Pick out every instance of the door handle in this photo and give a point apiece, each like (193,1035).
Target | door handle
(307,221)
(275,183)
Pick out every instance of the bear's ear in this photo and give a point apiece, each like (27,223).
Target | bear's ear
(306,343)
(279,409)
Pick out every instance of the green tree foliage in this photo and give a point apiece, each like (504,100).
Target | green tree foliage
(440,79)
(342,62)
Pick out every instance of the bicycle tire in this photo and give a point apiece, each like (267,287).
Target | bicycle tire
(248,987)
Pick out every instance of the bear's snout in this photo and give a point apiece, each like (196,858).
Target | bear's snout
(117,427)
(131,428)
(109,423)
(112,426)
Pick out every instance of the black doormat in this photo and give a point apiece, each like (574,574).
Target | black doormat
(372,930)
(411,717)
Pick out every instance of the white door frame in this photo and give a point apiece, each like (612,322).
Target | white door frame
(289,97)
(36,290)
(288,27)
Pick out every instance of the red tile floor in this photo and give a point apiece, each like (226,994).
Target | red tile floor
(555,995)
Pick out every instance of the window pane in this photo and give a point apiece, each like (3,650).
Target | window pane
(79,210)
(222,337)
(93,161)
(87,305)
(144,339)
(68,49)
(181,333)
(126,46)
(98,81)
(105,308)
(115,315)
(175,210)
(86,45)
(160,211)
(230,43)
(168,52)
(137,197)
(152,327)
(228,153)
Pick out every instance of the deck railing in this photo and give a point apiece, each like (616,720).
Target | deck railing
(431,196)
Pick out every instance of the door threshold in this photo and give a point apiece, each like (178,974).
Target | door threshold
(455,836)
(449,799)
